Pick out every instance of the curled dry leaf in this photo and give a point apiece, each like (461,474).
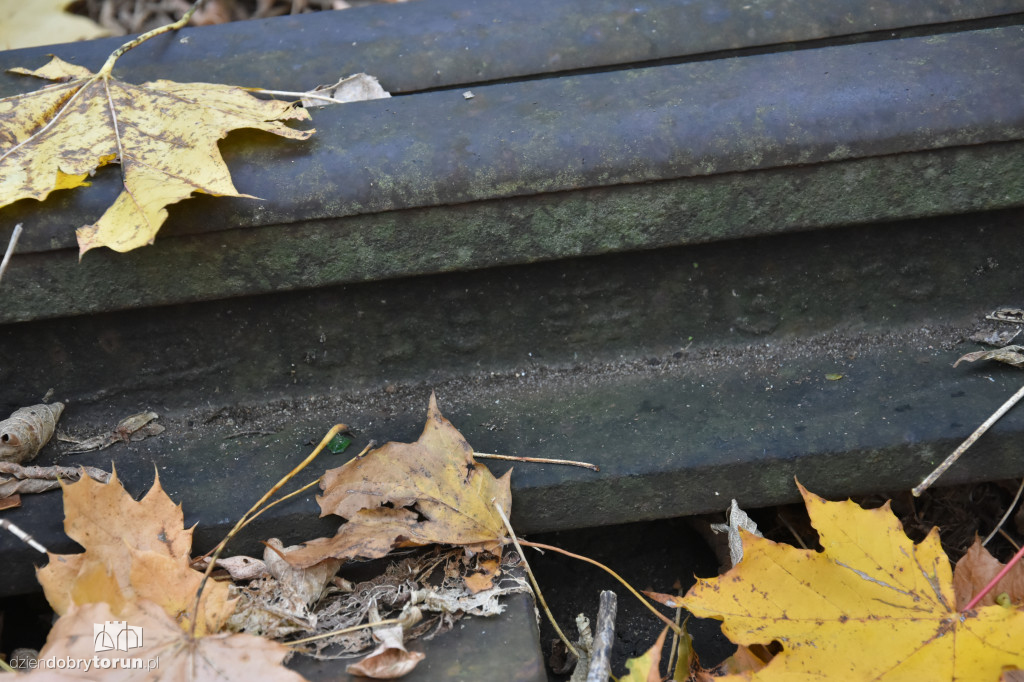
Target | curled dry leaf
(974,571)
(1011,355)
(434,490)
(15,478)
(358,87)
(282,603)
(301,587)
(390,660)
(240,568)
(25,432)
(130,429)
(737,519)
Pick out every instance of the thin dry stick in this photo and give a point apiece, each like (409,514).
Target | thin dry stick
(10,249)
(1009,510)
(792,530)
(336,429)
(533,581)
(305,95)
(941,469)
(345,631)
(538,460)
(22,535)
(1008,538)
(675,635)
(604,637)
(282,499)
(675,628)
(992,583)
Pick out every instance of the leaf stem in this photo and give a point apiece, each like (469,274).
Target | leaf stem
(345,631)
(108,66)
(675,628)
(533,581)
(985,426)
(992,583)
(1009,510)
(10,249)
(538,460)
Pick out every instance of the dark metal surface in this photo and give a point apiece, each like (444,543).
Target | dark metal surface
(446,43)
(683,372)
(520,230)
(816,106)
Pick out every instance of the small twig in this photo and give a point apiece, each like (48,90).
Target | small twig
(604,637)
(533,581)
(665,619)
(1009,538)
(1009,510)
(538,460)
(239,434)
(10,249)
(22,535)
(301,95)
(345,631)
(799,540)
(986,425)
(675,635)
(273,549)
(282,499)
(992,583)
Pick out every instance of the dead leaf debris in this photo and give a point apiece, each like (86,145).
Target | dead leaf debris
(16,479)
(130,429)
(27,430)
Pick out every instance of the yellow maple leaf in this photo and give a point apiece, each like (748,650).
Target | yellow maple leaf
(43,22)
(134,550)
(164,135)
(871,606)
(453,497)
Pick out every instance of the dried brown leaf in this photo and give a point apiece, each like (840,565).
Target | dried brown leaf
(140,547)
(1011,355)
(453,497)
(390,659)
(27,430)
(483,576)
(974,571)
(358,87)
(133,428)
(22,479)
